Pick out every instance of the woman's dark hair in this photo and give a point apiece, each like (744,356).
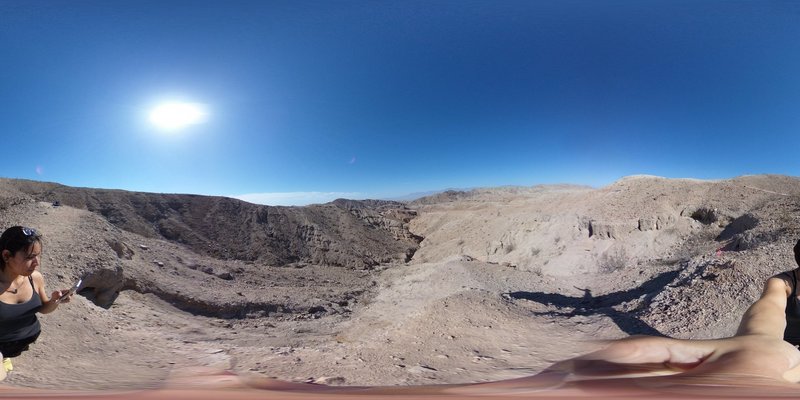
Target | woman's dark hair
(797,253)
(15,239)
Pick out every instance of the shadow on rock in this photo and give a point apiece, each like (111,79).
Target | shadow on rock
(606,304)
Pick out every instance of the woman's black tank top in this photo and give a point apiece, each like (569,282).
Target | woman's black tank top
(792,332)
(18,321)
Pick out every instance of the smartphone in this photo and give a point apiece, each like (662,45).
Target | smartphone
(71,290)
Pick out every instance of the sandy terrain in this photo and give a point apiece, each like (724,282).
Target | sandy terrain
(482,285)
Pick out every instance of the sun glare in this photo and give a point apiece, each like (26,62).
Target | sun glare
(175,116)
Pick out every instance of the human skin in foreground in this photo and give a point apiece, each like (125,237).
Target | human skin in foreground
(779,291)
(746,366)
(756,363)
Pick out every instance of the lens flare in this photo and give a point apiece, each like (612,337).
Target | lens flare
(175,116)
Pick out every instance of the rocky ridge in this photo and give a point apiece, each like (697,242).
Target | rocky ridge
(342,233)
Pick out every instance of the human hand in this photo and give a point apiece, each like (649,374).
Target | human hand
(61,296)
(749,361)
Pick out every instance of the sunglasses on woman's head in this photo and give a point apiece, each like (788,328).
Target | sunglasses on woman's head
(28,231)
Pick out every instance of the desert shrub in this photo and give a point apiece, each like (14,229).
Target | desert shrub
(510,247)
(742,241)
(705,215)
(613,260)
(535,252)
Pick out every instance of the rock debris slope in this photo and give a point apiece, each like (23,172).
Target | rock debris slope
(457,287)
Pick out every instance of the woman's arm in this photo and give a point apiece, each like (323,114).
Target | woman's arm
(767,316)
(49,304)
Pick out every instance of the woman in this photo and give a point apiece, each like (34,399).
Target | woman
(23,293)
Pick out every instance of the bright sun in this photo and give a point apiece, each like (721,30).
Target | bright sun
(175,116)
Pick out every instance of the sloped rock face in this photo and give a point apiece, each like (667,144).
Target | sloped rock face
(390,216)
(102,285)
(121,248)
(111,262)
(345,233)
(607,230)
(443,197)
(738,226)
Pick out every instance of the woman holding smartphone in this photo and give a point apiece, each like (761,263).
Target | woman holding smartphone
(23,293)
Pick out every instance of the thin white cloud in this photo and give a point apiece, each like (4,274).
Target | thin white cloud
(296,198)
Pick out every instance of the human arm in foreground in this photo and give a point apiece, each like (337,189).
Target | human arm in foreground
(758,350)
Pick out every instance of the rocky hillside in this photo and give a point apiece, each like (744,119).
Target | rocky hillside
(343,233)
(457,287)
(679,257)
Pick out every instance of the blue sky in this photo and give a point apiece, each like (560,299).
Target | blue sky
(312,100)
